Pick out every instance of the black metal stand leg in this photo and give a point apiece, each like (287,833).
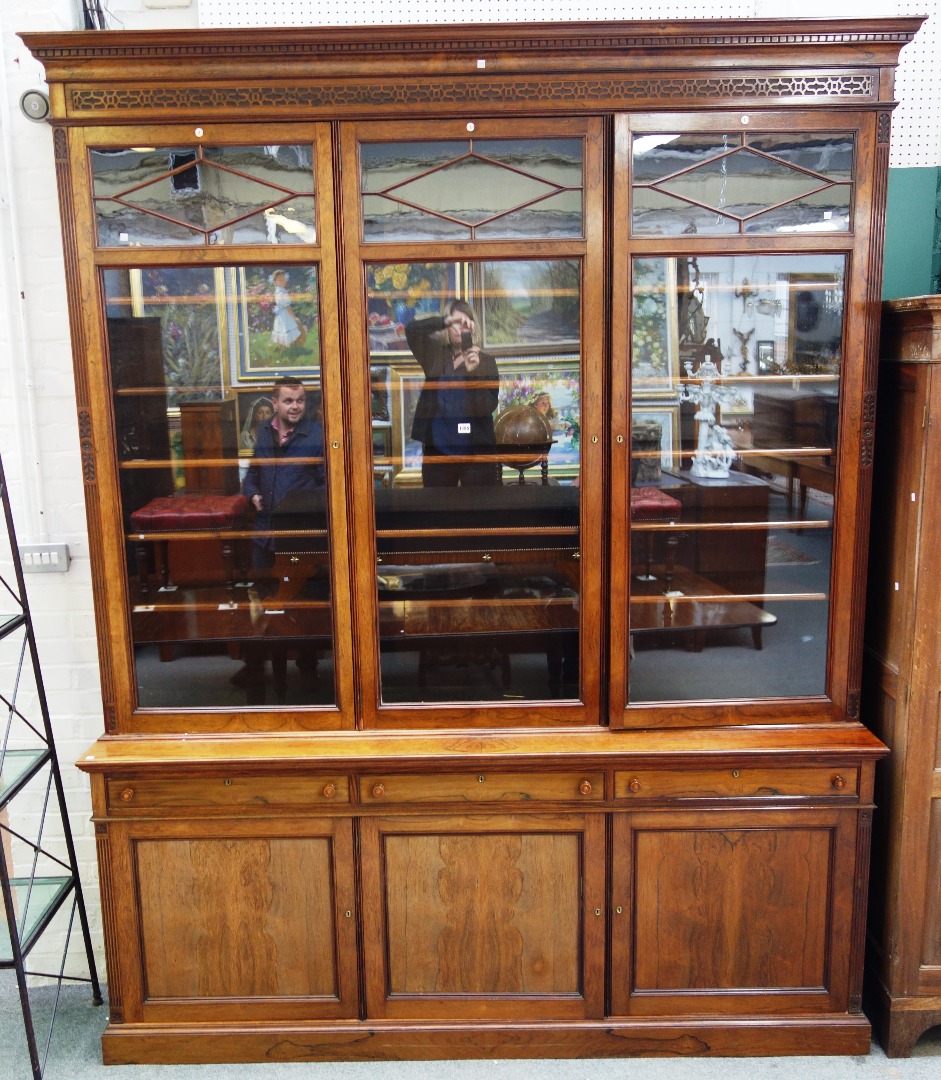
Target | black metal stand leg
(18,966)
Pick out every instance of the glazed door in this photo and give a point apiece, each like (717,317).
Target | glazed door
(214,261)
(738,356)
(493,917)
(474,285)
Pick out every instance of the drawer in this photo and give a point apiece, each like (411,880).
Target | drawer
(481,787)
(750,783)
(129,796)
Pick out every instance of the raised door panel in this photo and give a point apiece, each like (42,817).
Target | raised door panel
(484,918)
(732,912)
(930,973)
(235,922)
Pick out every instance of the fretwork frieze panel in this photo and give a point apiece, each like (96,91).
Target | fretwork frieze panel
(731,89)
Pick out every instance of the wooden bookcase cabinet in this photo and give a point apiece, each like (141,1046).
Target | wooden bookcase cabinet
(355,880)
(901,666)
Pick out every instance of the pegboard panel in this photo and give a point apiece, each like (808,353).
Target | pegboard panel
(916,125)
(219,13)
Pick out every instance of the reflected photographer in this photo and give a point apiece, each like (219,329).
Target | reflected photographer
(454,415)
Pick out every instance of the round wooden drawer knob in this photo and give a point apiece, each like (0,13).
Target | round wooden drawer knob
(585,787)
(378,791)
(329,791)
(839,782)
(127,794)
(634,785)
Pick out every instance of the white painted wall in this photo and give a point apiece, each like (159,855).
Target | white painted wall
(38,432)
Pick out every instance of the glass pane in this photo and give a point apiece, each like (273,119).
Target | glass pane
(291,222)
(476,459)
(188,193)
(657,214)
(464,189)
(222,484)
(288,167)
(33,899)
(741,183)
(559,216)
(124,226)
(388,219)
(117,170)
(716,173)
(657,156)
(825,211)
(735,404)
(830,155)
(383,165)
(556,160)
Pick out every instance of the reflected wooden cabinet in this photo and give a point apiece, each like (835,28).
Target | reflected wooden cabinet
(440,763)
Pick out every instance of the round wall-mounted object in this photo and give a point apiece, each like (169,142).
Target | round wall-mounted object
(34,104)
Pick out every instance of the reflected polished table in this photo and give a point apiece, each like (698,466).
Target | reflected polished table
(693,606)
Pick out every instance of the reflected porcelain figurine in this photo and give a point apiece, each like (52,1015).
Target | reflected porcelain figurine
(714,451)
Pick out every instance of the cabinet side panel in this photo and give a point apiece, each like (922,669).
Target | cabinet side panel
(236,917)
(897,473)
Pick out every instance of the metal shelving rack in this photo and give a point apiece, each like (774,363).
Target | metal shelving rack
(32,900)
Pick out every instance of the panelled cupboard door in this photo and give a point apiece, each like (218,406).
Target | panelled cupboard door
(732,912)
(235,920)
(473,262)
(477,918)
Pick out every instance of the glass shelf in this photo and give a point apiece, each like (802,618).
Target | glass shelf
(18,767)
(44,898)
(9,623)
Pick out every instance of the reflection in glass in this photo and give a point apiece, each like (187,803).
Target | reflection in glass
(657,214)
(199,195)
(744,182)
(735,401)
(222,485)
(465,189)
(476,425)
(741,183)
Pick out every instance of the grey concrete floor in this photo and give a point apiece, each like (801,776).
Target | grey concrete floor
(75,1054)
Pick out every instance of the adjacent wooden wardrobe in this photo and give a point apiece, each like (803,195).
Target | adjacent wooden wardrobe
(901,670)
(525,718)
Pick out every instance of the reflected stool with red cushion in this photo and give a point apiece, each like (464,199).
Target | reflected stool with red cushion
(652,504)
(175,516)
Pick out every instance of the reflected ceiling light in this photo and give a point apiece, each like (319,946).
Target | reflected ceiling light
(643,144)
